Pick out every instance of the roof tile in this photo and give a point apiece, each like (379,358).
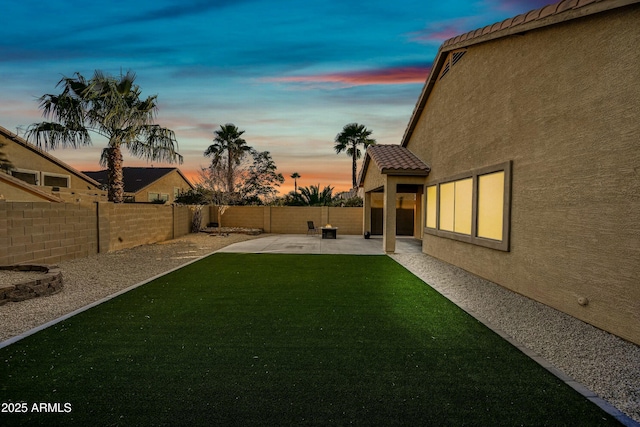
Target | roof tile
(548,10)
(530,16)
(566,4)
(396,159)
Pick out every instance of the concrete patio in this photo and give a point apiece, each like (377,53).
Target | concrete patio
(307,244)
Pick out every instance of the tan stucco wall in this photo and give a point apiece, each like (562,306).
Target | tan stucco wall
(562,104)
(12,192)
(23,158)
(164,185)
(373,179)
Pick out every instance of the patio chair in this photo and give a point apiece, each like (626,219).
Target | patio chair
(311,229)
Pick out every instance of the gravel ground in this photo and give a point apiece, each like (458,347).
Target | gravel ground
(10,277)
(605,364)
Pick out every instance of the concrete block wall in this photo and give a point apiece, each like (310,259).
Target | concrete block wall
(290,219)
(46,232)
(133,224)
(240,216)
(348,220)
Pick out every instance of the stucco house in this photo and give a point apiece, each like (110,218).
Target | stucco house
(523,152)
(38,176)
(148,184)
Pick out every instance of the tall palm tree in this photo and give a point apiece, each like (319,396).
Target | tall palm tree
(110,107)
(228,141)
(295,177)
(349,139)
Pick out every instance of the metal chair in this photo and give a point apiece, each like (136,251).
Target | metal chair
(311,229)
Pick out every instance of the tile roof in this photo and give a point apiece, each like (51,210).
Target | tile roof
(135,179)
(525,18)
(396,160)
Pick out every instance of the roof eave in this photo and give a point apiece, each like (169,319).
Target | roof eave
(405,172)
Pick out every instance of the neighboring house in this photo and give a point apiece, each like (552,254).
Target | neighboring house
(38,176)
(523,152)
(148,184)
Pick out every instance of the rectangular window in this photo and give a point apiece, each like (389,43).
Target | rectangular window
(55,180)
(447,205)
(455,206)
(462,207)
(431,206)
(491,205)
(158,197)
(28,176)
(474,208)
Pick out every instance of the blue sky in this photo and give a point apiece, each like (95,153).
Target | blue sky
(290,73)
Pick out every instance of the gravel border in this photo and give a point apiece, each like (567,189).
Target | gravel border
(604,363)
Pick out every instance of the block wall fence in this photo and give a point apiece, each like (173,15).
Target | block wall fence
(42,232)
(47,233)
(290,219)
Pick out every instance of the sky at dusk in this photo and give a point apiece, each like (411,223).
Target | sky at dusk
(290,73)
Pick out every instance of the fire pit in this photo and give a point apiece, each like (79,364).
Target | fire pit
(22,282)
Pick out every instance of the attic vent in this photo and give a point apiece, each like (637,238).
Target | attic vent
(451,60)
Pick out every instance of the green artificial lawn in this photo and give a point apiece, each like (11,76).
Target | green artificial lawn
(242,339)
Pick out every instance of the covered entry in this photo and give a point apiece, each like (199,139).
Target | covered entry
(407,201)
(393,182)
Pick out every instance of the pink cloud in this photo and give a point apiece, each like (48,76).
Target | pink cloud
(440,32)
(383,76)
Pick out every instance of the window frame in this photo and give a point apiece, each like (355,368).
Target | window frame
(35,173)
(161,197)
(501,245)
(56,175)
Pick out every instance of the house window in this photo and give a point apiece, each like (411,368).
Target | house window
(158,197)
(473,208)
(491,205)
(28,176)
(431,206)
(55,180)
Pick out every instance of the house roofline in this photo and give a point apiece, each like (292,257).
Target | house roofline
(546,16)
(172,169)
(21,141)
(28,188)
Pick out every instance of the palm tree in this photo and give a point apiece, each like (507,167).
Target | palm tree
(110,107)
(348,140)
(312,196)
(295,177)
(228,140)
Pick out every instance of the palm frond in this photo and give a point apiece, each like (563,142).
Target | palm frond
(51,135)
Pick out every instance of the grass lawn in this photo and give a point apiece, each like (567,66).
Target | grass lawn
(240,339)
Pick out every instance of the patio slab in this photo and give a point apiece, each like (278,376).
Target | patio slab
(306,244)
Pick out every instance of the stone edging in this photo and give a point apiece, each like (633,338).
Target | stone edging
(49,284)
